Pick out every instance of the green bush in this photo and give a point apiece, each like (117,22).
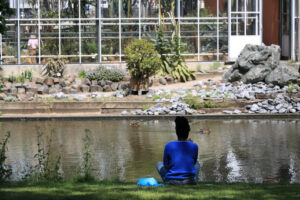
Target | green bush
(142,59)
(82,74)
(106,74)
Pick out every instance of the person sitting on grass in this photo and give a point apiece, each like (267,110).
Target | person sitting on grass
(180,165)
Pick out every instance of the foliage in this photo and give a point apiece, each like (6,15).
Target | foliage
(54,67)
(28,75)
(172,62)
(5,170)
(143,60)
(215,66)
(291,87)
(5,11)
(10,99)
(86,168)
(106,74)
(21,78)
(144,107)
(82,74)
(199,68)
(1,84)
(12,78)
(195,103)
(42,170)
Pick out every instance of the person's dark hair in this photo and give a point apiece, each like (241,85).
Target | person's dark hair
(182,128)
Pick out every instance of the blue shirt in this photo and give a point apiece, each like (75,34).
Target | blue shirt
(180,158)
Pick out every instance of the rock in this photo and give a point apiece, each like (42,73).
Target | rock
(60,95)
(107,88)
(66,90)
(123,86)
(49,81)
(63,84)
(237,111)
(170,79)
(39,80)
(79,97)
(227,112)
(29,95)
(254,108)
(155,81)
(282,75)
(94,82)
(32,88)
(108,83)
(202,112)
(256,74)
(96,88)
(138,112)
(124,112)
(56,80)
(73,91)
(102,83)
(18,85)
(2,96)
(282,110)
(162,81)
(78,81)
(172,112)
(114,86)
(84,88)
(52,90)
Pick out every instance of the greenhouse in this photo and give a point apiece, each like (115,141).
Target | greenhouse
(97,31)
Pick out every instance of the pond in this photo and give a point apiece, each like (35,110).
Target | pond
(234,151)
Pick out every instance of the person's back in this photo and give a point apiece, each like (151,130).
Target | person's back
(180,158)
(180,164)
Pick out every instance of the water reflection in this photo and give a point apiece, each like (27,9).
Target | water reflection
(236,150)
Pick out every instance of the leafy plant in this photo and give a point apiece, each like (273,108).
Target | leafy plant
(54,68)
(28,75)
(5,170)
(21,78)
(82,74)
(12,78)
(144,107)
(172,62)
(106,74)
(291,87)
(42,170)
(143,60)
(86,168)
(1,85)
(215,66)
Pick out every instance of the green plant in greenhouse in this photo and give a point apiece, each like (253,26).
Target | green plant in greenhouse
(172,62)
(54,67)
(82,74)
(143,60)
(106,74)
(5,11)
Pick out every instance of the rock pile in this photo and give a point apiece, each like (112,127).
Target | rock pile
(71,85)
(261,64)
(177,108)
(281,104)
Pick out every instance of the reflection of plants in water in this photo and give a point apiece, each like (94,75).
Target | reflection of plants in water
(85,173)
(42,170)
(5,170)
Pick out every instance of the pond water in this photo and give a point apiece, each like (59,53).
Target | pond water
(235,150)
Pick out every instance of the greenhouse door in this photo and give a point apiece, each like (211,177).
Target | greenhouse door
(245,25)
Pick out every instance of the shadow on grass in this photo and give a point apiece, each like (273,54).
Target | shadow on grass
(121,190)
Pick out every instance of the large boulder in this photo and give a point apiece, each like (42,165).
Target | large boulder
(260,64)
(283,75)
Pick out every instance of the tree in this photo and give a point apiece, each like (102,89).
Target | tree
(5,11)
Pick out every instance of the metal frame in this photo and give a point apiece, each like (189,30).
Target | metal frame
(119,21)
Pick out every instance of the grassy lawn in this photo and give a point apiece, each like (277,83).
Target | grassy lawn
(122,190)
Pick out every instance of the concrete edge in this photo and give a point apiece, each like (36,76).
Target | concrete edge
(146,117)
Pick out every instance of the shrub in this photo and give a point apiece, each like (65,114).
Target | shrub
(12,78)
(82,74)
(1,84)
(54,68)
(5,170)
(106,74)
(142,59)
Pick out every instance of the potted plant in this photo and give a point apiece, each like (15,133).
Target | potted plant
(142,62)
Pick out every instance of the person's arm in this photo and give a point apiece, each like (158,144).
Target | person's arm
(166,158)
(196,154)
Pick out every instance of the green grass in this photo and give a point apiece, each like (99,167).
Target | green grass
(121,190)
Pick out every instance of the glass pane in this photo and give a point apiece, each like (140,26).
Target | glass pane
(110,8)
(89,44)
(208,8)
(29,43)
(9,44)
(110,43)
(223,8)
(149,8)
(252,24)
(208,48)
(241,5)
(28,9)
(130,8)
(69,40)
(48,9)
(189,8)
(237,24)
(88,8)
(251,5)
